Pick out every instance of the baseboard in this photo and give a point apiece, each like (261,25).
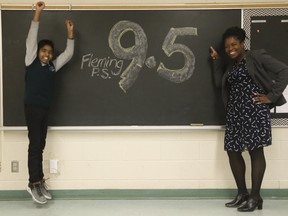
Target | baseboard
(142,194)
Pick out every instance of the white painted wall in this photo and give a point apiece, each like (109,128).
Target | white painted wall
(152,159)
(138,160)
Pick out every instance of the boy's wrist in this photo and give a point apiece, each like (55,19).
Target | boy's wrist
(70,35)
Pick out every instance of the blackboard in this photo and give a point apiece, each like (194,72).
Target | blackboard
(88,93)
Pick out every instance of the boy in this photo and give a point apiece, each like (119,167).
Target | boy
(39,80)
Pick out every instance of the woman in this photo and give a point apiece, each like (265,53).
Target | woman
(39,81)
(252,83)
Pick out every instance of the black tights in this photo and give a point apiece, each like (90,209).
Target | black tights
(238,167)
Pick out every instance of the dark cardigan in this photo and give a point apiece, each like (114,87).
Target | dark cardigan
(267,72)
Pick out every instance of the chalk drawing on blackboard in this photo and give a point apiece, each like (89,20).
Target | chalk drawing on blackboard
(136,53)
(150,62)
(103,67)
(170,47)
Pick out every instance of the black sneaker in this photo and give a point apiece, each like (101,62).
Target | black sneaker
(44,190)
(34,190)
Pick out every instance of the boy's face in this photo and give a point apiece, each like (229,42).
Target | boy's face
(45,54)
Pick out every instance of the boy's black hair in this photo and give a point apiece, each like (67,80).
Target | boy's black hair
(45,42)
(236,32)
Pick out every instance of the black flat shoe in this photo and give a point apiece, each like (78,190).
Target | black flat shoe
(238,200)
(251,205)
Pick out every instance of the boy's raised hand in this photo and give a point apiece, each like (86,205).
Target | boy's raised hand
(40,6)
(70,27)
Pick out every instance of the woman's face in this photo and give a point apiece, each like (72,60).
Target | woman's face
(45,54)
(234,48)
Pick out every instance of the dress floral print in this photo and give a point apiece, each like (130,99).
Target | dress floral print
(248,124)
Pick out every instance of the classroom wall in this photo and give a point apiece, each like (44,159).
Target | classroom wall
(137,159)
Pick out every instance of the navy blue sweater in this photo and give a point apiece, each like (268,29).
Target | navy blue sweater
(39,80)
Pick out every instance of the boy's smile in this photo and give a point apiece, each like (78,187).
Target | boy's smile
(45,54)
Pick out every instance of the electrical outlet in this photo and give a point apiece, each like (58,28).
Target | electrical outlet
(14,166)
(54,166)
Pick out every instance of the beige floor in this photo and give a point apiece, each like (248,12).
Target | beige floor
(136,208)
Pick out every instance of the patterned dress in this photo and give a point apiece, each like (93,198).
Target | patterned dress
(248,124)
